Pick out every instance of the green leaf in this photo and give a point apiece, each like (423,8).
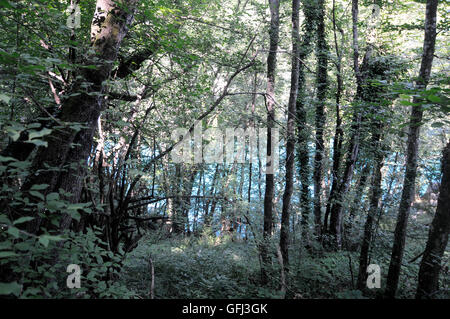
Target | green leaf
(52,196)
(44,241)
(434,98)
(5,98)
(7,159)
(437,124)
(35,134)
(4,254)
(5,220)
(38,143)
(37,194)
(23,220)
(38,187)
(10,288)
(13,231)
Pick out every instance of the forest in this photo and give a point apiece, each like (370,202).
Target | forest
(234,149)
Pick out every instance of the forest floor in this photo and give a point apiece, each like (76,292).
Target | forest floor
(210,267)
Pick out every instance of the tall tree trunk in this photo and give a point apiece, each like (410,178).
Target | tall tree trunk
(309,25)
(67,145)
(290,139)
(354,143)
(430,265)
(268,195)
(412,152)
(338,135)
(322,87)
(375,197)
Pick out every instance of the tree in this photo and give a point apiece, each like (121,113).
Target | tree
(271,66)
(303,133)
(322,88)
(290,139)
(412,151)
(108,28)
(430,265)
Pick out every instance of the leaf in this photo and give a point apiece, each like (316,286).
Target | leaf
(437,124)
(5,98)
(37,194)
(434,98)
(10,288)
(14,133)
(7,159)
(5,4)
(41,133)
(5,220)
(45,239)
(38,187)
(52,196)
(38,143)
(23,220)
(4,254)
(13,231)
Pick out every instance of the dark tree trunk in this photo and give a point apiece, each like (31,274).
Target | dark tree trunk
(290,144)
(268,195)
(309,11)
(375,197)
(430,265)
(338,135)
(336,210)
(322,87)
(412,152)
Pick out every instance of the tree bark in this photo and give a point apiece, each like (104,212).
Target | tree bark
(412,152)
(290,139)
(67,145)
(309,25)
(375,197)
(322,88)
(271,66)
(430,265)
(337,140)
(336,210)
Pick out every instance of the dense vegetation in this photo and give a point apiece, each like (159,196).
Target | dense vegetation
(350,166)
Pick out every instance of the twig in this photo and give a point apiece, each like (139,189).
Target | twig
(152,284)
(283,275)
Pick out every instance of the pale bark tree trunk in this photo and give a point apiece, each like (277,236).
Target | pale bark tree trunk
(430,265)
(290,139)
(412,152)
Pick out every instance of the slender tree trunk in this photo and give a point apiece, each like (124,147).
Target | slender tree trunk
(338,135)
(309,25)
(290,140)
(412,152)
(336,210)
(430,265)
(322,87)
(375,197)
(271,66)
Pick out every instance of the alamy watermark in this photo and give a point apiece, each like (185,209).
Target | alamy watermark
(374,277)
(231,145)
(74,279)
(74,19)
